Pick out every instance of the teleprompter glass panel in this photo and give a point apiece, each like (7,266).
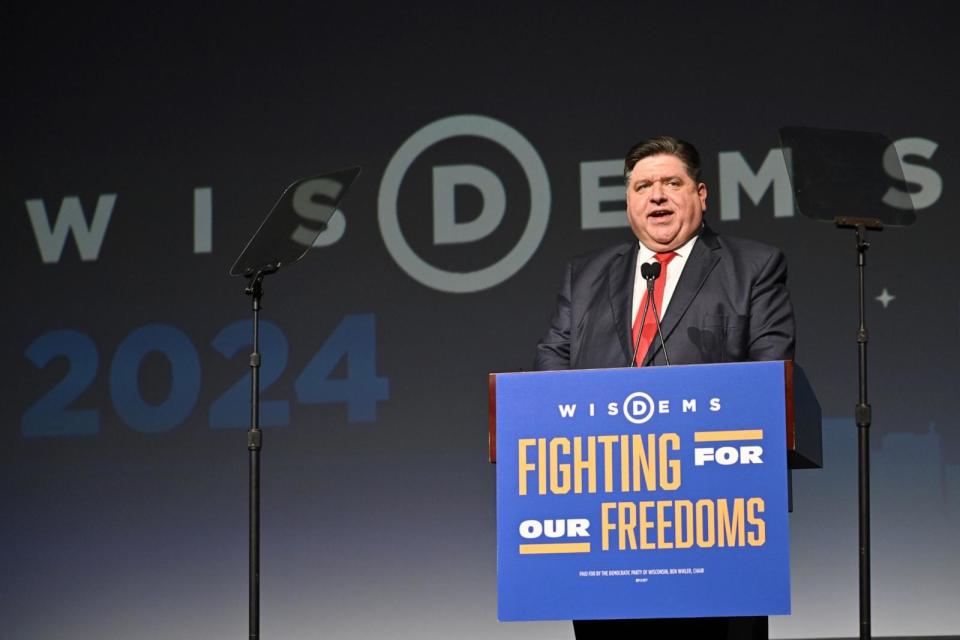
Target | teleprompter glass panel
(851,174)
(293,224)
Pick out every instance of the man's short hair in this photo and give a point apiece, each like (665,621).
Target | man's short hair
(663,145)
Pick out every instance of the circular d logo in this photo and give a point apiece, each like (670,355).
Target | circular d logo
(446,229)
(638,407)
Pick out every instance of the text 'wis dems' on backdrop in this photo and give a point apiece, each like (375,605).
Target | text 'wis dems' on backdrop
(145,146)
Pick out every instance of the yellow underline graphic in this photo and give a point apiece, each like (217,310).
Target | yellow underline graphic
(724,436)
(555,547)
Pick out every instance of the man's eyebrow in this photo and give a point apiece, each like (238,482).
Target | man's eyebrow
(660,179)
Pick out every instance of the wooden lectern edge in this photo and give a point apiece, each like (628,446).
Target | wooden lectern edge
(795,460)
(807,452)
(492,429)
(788,400)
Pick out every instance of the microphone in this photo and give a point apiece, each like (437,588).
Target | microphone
(656,317)
(649,272)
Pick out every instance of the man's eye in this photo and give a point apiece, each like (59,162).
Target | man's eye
(674,183)
(641,187)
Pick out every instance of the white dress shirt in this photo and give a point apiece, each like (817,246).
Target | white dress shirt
(674,269)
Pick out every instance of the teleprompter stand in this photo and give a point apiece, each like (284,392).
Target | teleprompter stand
(857,173)
(284,237)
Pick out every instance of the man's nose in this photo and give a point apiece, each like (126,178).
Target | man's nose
(657,193)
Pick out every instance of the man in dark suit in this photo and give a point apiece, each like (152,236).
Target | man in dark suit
(721,299)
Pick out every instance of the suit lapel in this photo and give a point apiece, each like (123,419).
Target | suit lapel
(703,258)
(620,291)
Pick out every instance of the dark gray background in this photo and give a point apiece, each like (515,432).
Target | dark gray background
(386,528)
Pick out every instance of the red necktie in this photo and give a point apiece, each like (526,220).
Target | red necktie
(650,324)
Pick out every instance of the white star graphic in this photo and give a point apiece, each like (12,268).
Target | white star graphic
(885,298)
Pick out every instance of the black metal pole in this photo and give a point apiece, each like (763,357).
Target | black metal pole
(255,290)
(862,415)
(863,419)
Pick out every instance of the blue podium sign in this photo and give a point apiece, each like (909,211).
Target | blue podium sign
(657,492)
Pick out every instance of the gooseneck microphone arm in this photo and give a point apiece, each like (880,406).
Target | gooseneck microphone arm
(656,316)
(649,272)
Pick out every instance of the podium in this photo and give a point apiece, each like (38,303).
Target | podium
(654,492)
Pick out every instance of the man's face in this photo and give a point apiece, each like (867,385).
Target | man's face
(664,205)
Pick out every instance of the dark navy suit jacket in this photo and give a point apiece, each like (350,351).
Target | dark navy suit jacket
(731,304)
